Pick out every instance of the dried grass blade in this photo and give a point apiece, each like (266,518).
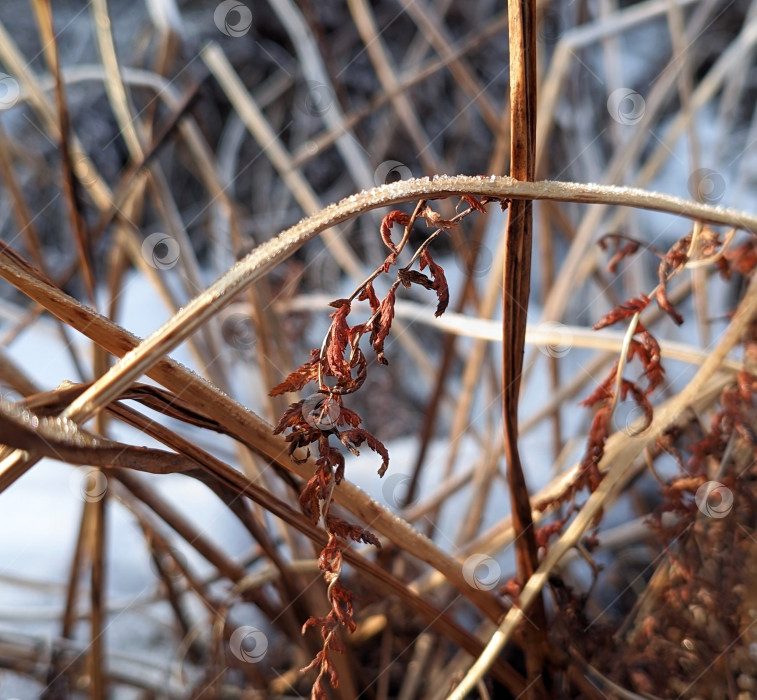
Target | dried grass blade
(236,420)
(618,463)
(44,15)
(516,287)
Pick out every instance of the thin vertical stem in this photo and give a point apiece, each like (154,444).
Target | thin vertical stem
(516,288)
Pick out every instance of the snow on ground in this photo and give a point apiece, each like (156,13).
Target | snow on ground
(39,515)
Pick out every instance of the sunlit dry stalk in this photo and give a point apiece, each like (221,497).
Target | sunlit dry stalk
(618,463)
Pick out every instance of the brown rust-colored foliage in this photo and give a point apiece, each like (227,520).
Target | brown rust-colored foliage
(229,151)
(307,422)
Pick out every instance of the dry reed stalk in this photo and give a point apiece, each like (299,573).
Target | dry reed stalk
(427,86)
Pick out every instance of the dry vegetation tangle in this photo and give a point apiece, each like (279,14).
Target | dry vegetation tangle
(200,533)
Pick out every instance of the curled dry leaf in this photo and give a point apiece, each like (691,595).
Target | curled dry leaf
(395,216)
(347,530)
(342,606)
(291,417)
(640,399)
(648,350)
(604,391)
(348,417)
(623,311)
(341,358)
(341,614)
(672,263)
(473,203)
(589,474)
(440,281)
(330,559)
(355,437)
(383,323)
(298,379)
(310,499)
(667,306)
(339,337)
(742,259)
(630,247)
(545,532)
(368,294)
(350,384)
(435,219)
(324,664)
(409,277)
